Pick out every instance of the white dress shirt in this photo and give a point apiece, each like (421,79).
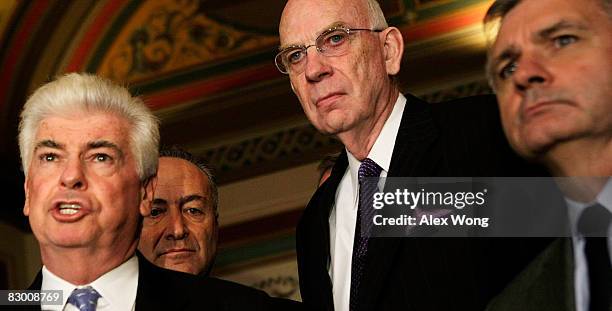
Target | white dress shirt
(581,275)
(117,288)
(344,212)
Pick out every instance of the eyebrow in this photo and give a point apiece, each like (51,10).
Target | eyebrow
(160,201)
(48,143)
(513,52)
(330,26)
(560,25)
(105,144)
(194,197)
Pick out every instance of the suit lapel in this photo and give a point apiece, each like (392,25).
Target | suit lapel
(415,135)
(329,198)
(155,290)
(316,240)
(547,283)
(37,283)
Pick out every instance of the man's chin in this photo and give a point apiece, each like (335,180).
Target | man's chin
(333,123)
(333,129)
(533,150)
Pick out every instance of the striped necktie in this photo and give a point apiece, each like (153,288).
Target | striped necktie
(365,211)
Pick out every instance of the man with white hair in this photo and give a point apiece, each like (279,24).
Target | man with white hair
(342,60)
(89,152)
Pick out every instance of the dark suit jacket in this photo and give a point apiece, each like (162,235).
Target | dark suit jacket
(162,289)
(547,283)
(459,138)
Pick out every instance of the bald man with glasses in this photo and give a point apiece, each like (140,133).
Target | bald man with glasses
(342,60)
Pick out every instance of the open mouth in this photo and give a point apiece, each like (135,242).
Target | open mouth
(69,208)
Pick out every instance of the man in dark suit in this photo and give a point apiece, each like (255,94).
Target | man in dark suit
(347,88)
(89,153)
(551,68)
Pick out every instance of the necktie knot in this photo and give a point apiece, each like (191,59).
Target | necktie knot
(85,299)
(594,221)
(369,168)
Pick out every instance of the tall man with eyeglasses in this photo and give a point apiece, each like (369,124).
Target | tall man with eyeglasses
(342,58)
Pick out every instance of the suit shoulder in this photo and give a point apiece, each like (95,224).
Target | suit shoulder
(217,284)
(480,106)
(241,297)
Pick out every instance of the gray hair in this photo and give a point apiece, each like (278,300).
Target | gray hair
(376,15)
(501,8)
(84,92)
(176,152)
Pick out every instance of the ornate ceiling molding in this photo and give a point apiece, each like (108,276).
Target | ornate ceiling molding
(167,36)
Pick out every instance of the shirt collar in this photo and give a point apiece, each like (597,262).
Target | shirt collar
(51,281)
(576,208)
(382,150)
(117,287)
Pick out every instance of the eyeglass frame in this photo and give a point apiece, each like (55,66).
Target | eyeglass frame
(304,48)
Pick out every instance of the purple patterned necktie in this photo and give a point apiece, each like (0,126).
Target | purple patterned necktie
(85,299)
(368,168)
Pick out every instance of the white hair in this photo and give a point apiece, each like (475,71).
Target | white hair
(376,15)
(82,92)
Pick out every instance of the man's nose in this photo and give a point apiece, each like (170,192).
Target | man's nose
(317,66)
(176,228)
(531,71)
(73,175)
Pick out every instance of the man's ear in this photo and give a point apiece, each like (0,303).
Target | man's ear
(26,204)
(393,49)
(147,194)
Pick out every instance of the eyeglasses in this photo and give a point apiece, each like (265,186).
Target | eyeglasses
(332,42)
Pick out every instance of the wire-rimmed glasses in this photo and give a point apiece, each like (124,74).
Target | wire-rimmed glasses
(332,42)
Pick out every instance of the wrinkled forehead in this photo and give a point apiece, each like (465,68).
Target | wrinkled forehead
(303,20)
(181,175)
(80,129)
(526,23)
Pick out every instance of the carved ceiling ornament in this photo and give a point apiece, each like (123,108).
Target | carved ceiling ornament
(164,36)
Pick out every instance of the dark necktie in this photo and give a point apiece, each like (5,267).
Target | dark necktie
(593,225)
(85,299)
(368,168)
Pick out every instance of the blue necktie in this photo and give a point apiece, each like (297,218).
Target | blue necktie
(85,299)
(365,211)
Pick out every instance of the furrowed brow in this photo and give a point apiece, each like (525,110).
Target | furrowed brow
(330,26)
(189,198)
(160,201)
(105,144)
(48,143)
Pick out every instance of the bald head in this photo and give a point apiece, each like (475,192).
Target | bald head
(368,12)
